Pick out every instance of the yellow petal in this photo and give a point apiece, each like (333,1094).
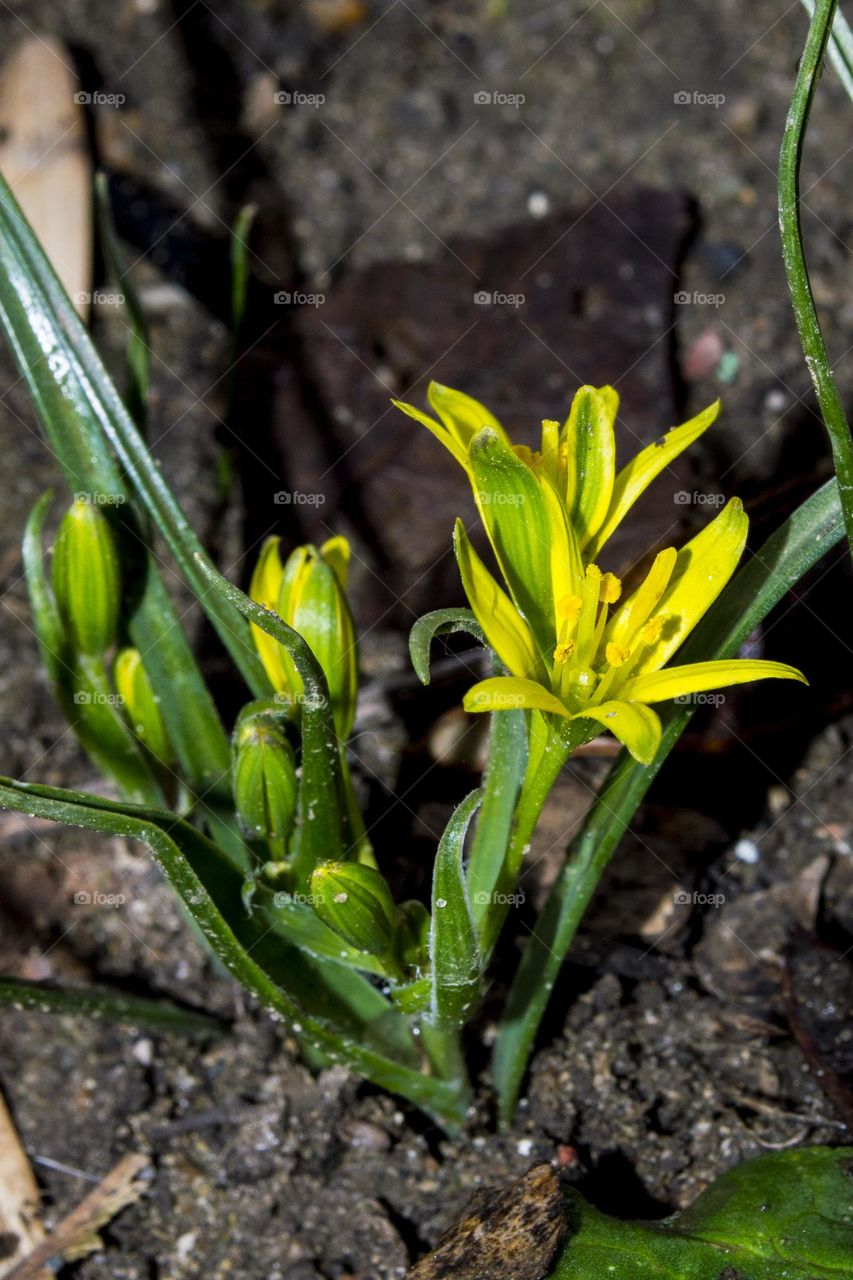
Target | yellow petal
(336,552)
(702,568)
(590,461)
(504,627)
(631,615)
(440,432)
(462,415)
(566,566)
(637,727)
(264,589)
(638,474)
(698,677)
(508,693)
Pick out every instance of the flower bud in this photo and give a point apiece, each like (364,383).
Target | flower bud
(309,593)
(356,902)
(86,579)
(265,782)
(140,704)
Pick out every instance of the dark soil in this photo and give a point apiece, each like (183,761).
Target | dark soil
(685,1035)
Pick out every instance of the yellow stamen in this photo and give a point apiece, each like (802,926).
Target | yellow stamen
(563,652)
(569,607)
(610,590)
(616,654)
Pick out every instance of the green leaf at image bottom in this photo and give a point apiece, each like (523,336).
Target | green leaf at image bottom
(787,1216)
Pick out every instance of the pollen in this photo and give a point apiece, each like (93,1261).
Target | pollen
(610,590)
(616,654)
(651,631)
(563,652)
(569,607)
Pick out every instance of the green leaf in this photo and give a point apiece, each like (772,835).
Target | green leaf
(138,348)
(319,835)
(785,1216)
(507,762)
(441,622)
(454,945)
(255,956)
(813,529)
(107,1005)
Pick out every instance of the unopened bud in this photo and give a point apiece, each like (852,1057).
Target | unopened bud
(86,579)
(140,703)
(265,782)
(356,902)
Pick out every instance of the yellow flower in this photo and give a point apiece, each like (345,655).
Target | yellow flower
(571,652)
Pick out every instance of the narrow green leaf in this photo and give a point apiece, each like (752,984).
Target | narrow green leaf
(454,945)
(107,1005)
(813,529)
(782,1215)
(138,348)
(440,622)
(501,788)
(242,946)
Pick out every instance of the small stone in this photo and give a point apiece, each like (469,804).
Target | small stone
(538,204)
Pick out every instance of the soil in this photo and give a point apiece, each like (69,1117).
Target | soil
(668,1053)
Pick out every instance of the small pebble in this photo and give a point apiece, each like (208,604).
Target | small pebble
(747,851)
(538,204)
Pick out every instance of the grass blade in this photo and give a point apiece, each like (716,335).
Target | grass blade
(456,966)
(179,850)
(138,351)
(793,254)
(109,1006)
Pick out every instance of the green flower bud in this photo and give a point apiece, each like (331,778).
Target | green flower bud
(308,592)
(265,783)
(356,902)
(412,940)
(86,579)
(140,704)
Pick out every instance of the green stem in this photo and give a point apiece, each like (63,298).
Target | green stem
(550,748)
(802,298)
(444,1051)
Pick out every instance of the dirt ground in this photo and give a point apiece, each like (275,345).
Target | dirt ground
(640,228)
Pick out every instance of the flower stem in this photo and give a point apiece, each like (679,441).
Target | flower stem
(805,312)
